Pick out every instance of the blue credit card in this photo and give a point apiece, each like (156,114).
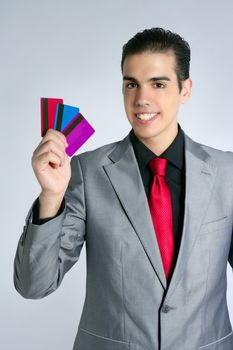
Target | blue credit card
(64,115)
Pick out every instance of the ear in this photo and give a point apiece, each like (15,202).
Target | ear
(186,90)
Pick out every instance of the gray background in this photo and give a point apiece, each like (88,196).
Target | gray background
(72,49)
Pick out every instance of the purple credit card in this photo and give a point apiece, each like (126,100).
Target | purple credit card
(77,132)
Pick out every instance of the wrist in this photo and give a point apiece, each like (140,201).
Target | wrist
(49,205)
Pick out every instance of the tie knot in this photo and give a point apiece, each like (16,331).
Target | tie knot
(158,166)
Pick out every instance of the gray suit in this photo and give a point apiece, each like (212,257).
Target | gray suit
(127,304)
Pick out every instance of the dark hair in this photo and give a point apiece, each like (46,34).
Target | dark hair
(161,40)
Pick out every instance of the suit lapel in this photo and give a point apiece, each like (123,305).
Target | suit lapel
(200,176)
(126,180)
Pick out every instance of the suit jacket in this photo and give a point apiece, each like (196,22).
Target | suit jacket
(128,304)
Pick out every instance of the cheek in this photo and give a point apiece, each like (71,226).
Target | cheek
(128,101)
(169,104)
(127,107)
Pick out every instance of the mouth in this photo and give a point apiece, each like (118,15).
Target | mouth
(146,116)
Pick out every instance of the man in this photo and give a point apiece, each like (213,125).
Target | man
(155,210)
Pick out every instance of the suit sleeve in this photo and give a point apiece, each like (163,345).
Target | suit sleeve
(46,252)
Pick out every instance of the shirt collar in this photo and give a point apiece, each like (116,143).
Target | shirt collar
(174,153)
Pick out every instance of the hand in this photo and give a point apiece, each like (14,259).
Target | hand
(51,165)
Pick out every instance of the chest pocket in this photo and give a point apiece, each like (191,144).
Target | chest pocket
(220,224)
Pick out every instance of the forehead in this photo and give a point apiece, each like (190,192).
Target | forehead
(146,64)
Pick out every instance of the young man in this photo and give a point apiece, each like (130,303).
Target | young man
(155,210)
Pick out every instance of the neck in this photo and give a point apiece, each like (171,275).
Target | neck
(161,142)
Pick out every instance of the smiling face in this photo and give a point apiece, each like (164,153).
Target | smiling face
(152,97)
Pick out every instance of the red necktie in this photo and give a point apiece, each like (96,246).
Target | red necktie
(161,211)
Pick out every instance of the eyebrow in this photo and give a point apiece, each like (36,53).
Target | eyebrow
(163,77)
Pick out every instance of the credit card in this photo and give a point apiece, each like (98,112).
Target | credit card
(48,108)
(64,115)
(77,132)
(68,120)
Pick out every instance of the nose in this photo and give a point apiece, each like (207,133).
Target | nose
(142,97)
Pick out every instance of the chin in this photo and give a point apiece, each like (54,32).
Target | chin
(146,134)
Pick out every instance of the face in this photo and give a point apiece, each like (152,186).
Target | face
(152,97)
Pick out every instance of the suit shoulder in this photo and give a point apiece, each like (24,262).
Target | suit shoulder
(98,156)
(217,156)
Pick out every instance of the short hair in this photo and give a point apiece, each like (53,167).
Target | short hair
(161,40)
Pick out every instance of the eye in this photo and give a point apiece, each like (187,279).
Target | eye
(130,85)
(159,85)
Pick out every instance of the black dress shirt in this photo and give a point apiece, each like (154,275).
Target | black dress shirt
(231,253)
(36,210)
(175,176)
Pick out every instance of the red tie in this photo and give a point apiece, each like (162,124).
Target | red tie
(161,211)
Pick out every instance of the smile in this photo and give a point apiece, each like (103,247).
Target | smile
(146,116)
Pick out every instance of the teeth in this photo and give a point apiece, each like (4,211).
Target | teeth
(146,116)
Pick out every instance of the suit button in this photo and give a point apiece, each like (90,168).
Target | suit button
(166,309)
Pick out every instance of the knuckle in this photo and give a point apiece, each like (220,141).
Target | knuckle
(49,131)
(34,163)
(35,151)
(62,136)
(50,153)
(50,144)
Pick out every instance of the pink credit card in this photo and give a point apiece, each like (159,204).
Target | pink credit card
(48,113)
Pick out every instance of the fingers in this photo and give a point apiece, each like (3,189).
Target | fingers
(51,149)
(49,157)
(54,135)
